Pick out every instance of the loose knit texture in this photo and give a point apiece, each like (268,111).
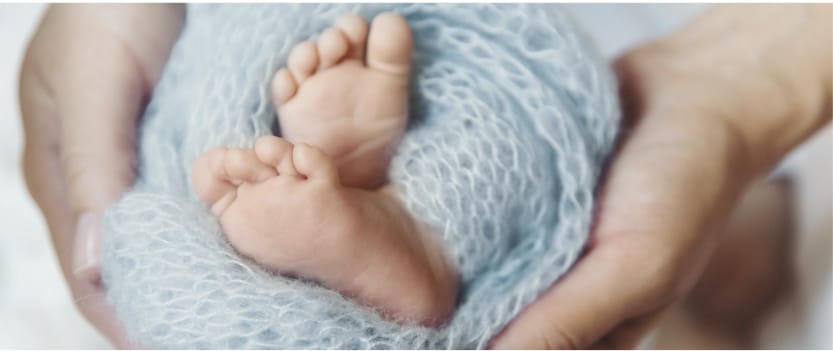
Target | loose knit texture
(512,116)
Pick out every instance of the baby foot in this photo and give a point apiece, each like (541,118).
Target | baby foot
(283,206)
(349,101)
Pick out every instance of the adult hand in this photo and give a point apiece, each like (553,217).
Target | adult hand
(707,110)
(85,79)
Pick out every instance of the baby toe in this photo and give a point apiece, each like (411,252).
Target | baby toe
(283,87)
(332,46)
(243,166)
(303,60)
(354,28)
(277,153)
(313,163)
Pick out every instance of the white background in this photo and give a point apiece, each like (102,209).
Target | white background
(36,310)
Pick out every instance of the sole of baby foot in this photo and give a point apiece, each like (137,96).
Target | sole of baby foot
(347,93)
(282,206)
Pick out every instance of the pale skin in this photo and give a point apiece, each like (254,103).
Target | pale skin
(315,203)
(707,114)
(703,141)
(111,52)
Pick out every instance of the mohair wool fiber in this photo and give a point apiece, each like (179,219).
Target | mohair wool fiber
(512,116)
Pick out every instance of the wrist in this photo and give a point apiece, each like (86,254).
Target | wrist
(761,70)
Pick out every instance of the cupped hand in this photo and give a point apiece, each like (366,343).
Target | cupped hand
(705,113)
(667,191)
(86,77)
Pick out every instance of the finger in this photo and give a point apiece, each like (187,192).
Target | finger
(97,142)
(660,198)
(97,65)
(68,63)
(42,169)
(40,164)
(79,114)
(575,312)
(98,126)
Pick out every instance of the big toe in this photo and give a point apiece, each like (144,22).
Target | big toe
(313,163)
(390,44)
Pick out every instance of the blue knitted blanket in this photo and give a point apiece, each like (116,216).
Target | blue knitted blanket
(512,115)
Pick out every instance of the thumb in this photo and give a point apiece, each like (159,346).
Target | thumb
(99,62)
(590,300)
(99,101)
(660,200)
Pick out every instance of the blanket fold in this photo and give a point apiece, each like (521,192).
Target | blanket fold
(512,116)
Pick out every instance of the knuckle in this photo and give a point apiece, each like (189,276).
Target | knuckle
(76,164)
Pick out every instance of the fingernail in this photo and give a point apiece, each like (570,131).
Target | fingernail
(85,261)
